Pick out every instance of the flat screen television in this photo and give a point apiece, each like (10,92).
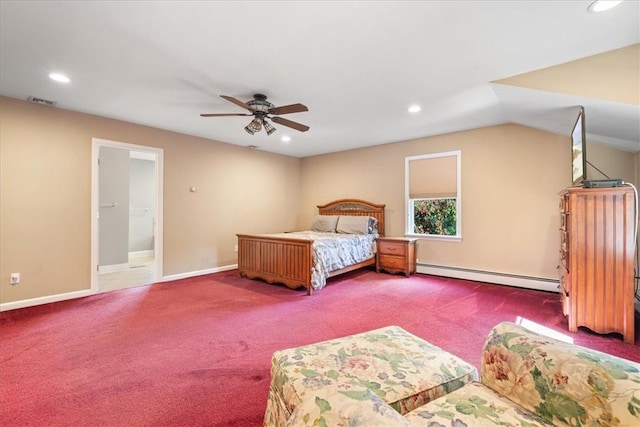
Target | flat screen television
(579,149)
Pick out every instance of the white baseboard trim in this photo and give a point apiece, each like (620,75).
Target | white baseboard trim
(141,254)
(112,268)
(79,294)
(198,273)
(44,300)
(541,284)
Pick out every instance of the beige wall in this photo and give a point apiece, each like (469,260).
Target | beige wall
(582,76)
(511,176)
(45,212)
(612,162)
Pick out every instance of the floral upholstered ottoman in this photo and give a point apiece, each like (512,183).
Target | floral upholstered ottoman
(402,369)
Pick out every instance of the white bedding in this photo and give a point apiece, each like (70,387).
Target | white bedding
(333,251)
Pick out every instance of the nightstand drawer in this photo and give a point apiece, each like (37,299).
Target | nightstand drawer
(392,262)
(392,248)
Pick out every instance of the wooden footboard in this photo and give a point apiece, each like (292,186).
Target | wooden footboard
(276,260)
(290,261)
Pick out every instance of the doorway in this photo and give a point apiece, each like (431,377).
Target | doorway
(126,201)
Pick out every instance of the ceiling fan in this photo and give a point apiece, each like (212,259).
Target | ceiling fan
(262,110)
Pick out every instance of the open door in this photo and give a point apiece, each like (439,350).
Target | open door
(127,222)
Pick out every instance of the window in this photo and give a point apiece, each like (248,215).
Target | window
(432,194)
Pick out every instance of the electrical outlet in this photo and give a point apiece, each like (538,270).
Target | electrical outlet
(15,278)
(236,248)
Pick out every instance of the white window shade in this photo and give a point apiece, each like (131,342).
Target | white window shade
(434,177)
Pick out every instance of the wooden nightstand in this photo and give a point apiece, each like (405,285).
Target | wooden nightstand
(396,255)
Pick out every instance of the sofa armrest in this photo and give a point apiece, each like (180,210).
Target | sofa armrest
(565,384)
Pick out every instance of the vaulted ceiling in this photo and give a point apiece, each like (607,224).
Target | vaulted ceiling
(357,65)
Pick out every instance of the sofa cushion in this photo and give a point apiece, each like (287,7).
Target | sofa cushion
(562,383)
(472,405)
(331,406)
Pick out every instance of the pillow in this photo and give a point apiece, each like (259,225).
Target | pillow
(357,225)
(373,225)
(324,223)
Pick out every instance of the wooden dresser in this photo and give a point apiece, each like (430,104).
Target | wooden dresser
(597,259)
(396,255)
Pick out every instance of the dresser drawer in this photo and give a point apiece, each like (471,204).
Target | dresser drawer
(565,295)
(392,248)
(564,203)
(565,284)
(564,238)
(564,258)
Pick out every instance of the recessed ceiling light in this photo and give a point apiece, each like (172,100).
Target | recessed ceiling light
(415,108)
(286,138)
(61,78)
(602,5)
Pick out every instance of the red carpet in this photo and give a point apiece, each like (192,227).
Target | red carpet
(197,351)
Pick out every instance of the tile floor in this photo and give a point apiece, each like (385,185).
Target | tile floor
(140,272)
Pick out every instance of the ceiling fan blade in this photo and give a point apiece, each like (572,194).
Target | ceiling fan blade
(236,101)
(224,114)
(288,109)
(290,124)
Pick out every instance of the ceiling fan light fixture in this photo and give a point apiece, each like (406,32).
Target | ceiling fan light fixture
(268,127)
(254,126)
(602,5)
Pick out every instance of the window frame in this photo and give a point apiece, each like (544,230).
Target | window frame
(409,207)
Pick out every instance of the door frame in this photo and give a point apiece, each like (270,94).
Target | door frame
(96,144)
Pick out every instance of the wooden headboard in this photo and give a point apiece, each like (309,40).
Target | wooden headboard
(355,207)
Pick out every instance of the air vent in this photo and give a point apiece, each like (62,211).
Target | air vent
(42,101)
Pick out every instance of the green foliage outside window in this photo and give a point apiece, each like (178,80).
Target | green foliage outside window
(435,216)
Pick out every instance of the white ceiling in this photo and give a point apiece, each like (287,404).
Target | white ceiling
(357,65)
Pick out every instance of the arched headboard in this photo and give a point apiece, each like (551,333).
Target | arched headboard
(355,207)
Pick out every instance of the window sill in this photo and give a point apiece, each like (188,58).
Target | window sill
(434,237)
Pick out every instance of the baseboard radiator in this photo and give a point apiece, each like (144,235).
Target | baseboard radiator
(549,285)
(542,284)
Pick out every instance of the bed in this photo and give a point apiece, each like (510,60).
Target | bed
(292,258)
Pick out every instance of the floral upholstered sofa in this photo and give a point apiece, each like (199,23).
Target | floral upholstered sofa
(526,379)
(403,369)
